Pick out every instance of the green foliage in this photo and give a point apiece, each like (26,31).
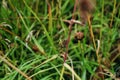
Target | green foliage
(32,39)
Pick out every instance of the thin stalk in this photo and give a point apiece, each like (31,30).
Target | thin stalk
(50,16)
(113,13)
(62,72)
(91,30)
(70,30)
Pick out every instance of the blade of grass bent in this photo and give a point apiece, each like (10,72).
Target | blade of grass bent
(15,68)
(70,69)
(36,42)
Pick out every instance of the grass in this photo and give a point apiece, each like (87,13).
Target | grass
(33,35)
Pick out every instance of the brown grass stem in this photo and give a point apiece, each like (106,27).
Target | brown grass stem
(91,30)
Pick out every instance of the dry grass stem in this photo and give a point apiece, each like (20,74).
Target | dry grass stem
(15,68)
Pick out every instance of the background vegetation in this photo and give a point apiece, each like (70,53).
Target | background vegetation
(33,34)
